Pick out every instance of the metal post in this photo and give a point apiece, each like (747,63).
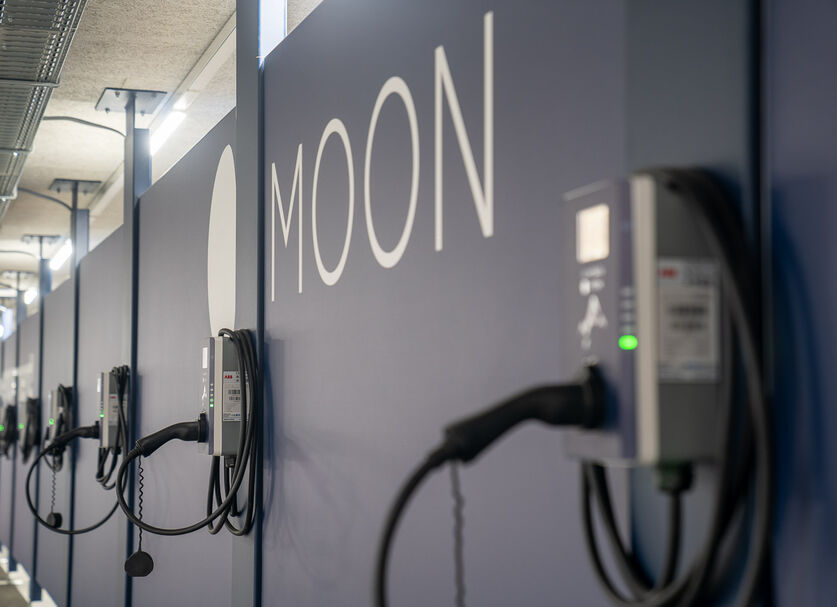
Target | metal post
(44,287)
(137,181)
(80,237)
(79,230)
(44,276)
(247,551)
(20,308)
(19,305)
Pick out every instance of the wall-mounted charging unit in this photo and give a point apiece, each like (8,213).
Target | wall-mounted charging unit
(642,301)
(58,422)
(229,425)
(221,385)
(111,388)
(107,388)
(659,307)
(59,435)
(29,426)
(8,430)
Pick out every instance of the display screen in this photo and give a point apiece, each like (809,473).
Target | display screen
(592,227)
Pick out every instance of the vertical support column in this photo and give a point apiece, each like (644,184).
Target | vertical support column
(79,232)
(247,551)
(44,287)
(137,181)
(20,307)
(20,313)
(80,237)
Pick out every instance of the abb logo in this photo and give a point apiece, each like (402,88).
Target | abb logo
(228,376)
(668,272)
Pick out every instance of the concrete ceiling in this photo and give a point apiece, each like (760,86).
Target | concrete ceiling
(152,45)
(120,43)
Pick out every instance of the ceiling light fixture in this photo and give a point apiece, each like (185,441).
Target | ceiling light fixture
(164,131)
(30,295)
(61,256)
(183,102)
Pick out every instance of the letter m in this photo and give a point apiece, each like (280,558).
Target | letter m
(285,220)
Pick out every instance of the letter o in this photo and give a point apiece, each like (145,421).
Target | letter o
(393,86)
(335,126)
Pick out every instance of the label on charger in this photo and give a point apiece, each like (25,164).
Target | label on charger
(232,396)
(688,294)
(114,410)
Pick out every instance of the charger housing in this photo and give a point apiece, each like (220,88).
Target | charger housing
(641,299)
(221,396)
(107,387)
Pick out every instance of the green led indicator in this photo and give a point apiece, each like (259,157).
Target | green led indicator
(628,342)
(102,415)
(2,428)
(51,422)
(20,426)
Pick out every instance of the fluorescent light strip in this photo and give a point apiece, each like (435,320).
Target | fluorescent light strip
(165,130)
(61,256)
(30,295)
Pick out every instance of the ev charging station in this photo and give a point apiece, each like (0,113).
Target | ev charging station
(424,225)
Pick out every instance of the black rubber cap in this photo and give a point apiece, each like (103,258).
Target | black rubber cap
(54,520)
(139,564)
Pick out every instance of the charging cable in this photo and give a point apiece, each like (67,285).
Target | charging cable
(748,465)
(236,468)
(32,428)
(54,519)
(8,430)
(53,451)
(581,404)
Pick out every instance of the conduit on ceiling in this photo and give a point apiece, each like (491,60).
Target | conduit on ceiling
(35,36)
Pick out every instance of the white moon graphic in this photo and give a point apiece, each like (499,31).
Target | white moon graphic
(220,253)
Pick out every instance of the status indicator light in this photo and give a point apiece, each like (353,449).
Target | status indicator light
(20,426)
(628,342)
(2,428)
(51,422)
(102,415)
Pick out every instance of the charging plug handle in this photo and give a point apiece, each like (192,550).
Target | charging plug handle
(186,431)
(63,439)
(580,403)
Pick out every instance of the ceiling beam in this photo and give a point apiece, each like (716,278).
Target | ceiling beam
(17,82)
(202,72)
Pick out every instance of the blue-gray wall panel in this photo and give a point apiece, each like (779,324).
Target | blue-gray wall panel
(27,387)
(53,549)
(98,574)
(689,103)
(173,319)
(7,464)
(365,374)
(801,134)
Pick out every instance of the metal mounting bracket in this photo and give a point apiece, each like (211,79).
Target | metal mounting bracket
(115,100)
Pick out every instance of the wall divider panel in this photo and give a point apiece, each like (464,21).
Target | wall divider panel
(53,548)
(801,97)
(7,464)
(98,556)
(25,532)
(194,569)
(390,339)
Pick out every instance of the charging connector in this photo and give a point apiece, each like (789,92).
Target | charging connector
(581,403)
(8,430)
(52,452)
(230,426)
